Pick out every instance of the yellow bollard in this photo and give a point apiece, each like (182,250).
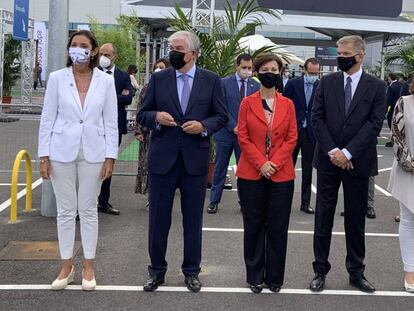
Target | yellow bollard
(15,178)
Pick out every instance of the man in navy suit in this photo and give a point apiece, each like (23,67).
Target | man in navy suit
(183,106)
(125,93)
(347,116)
(302,91)
(393,94)
(235,88)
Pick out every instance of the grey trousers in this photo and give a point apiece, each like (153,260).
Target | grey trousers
(371,192)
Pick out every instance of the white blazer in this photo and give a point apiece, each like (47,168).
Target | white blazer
(65,125)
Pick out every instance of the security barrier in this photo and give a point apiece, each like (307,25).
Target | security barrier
(15,177)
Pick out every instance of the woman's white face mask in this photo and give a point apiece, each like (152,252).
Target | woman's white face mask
(79,55)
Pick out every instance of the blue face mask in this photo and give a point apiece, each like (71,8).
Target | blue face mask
(310,78)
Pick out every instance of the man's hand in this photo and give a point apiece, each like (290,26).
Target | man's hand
(236,130)
(164,118)
(125,92)
(339,159)
(193,127)
(268,169)
(45,167)
(107,168)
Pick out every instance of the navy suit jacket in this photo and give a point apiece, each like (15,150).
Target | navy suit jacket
(393,93)
(123,82)
(232,100)
(356,131)
(206,105)
(295,90)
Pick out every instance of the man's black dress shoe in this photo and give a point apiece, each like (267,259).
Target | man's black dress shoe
(362,284)
(342,214)
(307,209)
(389,144)
(318,282)
(274,288)
(153,283)
(256,288)
(107,209)
(212,208)
(371,213)
(193,283)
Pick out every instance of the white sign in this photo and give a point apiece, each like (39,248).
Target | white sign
(84,27)
(40,36)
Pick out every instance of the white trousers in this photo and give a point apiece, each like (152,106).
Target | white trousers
(406,233)
(77,185)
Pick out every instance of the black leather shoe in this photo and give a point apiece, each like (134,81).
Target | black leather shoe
(256,288)
(307,209)
(153,283)
(212,208)
(389,144)
(108,209)
(193,283)
(342,214)
(274,288)
(362,284)
(397,218)
(318,283)
(371,213)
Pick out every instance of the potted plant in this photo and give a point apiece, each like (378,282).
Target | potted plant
(11,70)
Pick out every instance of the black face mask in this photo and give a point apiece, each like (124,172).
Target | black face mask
(269,80)
(177,59)
(346,63)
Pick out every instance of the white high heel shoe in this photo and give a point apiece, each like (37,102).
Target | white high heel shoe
(62,283)
(408,287)
(88,285)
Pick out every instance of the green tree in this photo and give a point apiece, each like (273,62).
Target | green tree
(123,35)
(220,47)
(11,69)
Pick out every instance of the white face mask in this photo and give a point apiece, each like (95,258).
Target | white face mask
(79,55)
(245,73)
(104,62)
(157,69)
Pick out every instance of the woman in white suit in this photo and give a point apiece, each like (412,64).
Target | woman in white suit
(78,144)
(401,182)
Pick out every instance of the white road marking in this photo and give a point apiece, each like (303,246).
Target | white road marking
(382,235)
(385,169)
(313,188)
(383,191)
(22,193)
(6,184)
(230,290)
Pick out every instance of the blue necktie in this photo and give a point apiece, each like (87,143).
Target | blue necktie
(185,94)
(308,92)
(348,94)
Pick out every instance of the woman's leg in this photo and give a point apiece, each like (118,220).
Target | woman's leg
(89,186)
(253,204)
(63,178)
(406,233)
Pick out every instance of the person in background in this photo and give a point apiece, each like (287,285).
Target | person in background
(132,71)
(235,88)
(182,106)
(107,57)
(267,135)
(142,134)
(78,144)
(401,183)
(37,76)
(393,94)
(347,116)
(301,91)
(285,75)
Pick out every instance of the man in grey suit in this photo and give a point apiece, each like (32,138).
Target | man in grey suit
(235,88)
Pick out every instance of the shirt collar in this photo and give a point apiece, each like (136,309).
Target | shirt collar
(112,69)
(190,73)
(355,77)
(239,78)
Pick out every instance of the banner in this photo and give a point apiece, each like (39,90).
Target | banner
(326,55)
(40,35)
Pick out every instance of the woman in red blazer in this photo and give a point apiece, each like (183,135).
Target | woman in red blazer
(267,137)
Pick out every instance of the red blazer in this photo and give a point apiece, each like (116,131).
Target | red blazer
(252,130)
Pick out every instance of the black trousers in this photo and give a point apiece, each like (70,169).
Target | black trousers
(266,210)
(161,199)
(389,116)
(105,193)
(308,149)
(355,207)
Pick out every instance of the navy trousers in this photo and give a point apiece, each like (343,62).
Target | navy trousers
(224,150)
(161,199)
